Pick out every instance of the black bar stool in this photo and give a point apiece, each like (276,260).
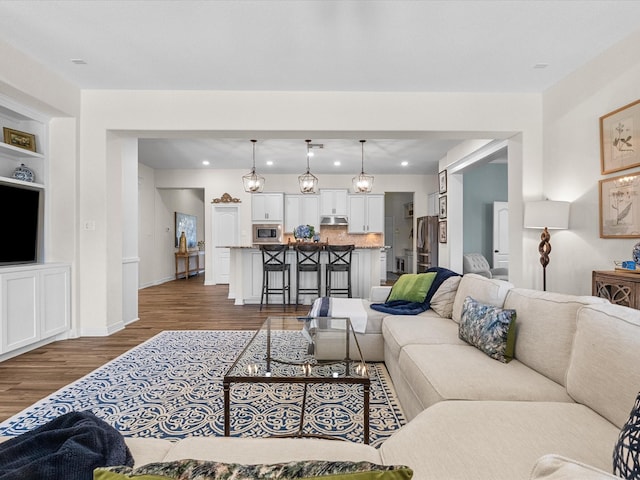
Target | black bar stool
(308,260)
(274,261)
(339,261)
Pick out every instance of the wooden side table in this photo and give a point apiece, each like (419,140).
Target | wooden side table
(187,263)
(619,287)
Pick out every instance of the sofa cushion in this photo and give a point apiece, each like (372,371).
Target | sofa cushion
(442,300)
(411,287)
(147,450)
(187,469)
(498,440)
(604,372)
(269,450)
(453,372)
(489,328)
(556,467)
(428,328)
(485,290)
(626,454)
(545,328)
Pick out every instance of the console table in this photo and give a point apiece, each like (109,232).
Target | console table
(617,286)
(187,264)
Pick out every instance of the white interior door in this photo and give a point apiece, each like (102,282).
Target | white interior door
(500,235)
(225,234)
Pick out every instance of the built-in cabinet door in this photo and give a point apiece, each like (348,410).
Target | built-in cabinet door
(301,210)
(35,304)
(333,202)
(55,284)
(20,321)
(357,214)
(267,207)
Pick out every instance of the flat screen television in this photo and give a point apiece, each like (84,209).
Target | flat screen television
(21,216)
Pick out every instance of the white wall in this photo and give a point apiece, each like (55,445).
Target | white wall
(217,182)
(572,165)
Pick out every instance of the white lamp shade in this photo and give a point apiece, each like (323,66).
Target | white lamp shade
(546,213)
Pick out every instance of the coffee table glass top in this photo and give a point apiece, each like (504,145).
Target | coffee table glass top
(297,348)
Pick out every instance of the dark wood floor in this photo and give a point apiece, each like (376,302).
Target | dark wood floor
(177,305)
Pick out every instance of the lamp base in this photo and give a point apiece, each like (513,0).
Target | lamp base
(544,248)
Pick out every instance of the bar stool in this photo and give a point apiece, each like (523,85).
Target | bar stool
(274,261)
(308,260)
(339,261)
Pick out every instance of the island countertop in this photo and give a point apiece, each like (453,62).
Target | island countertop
(245,272)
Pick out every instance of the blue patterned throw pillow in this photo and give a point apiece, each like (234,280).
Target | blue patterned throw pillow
(626,453)
(489,328)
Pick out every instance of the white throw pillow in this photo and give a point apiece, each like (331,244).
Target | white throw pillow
(442,300)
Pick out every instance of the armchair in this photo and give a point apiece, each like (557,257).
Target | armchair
(477,263)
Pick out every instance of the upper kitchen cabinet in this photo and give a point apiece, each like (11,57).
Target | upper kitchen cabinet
(333,202)
(267,207)
(366,213)
(301,210)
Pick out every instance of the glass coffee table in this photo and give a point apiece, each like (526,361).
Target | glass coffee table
(304,350)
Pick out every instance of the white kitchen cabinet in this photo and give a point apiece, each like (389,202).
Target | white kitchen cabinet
(35,304)
(267,207)
(333,202)
(301,210)
(366,213)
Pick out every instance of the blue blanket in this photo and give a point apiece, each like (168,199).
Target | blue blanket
(402,307)
(69,447)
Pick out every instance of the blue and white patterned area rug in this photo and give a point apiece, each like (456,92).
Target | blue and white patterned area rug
(171,387)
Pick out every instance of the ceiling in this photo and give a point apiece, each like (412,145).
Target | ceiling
(322,45)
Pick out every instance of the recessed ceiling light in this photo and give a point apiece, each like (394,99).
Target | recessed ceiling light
(404,164)
(269,162)
(337,163)
(541,65)
(205,162)
(78,61)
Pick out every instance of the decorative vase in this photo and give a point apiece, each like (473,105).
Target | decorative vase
(24,173)
(182,245)
(636,253)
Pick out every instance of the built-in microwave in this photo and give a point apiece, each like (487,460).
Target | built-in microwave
(267,233)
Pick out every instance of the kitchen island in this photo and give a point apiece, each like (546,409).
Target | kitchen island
(245,275)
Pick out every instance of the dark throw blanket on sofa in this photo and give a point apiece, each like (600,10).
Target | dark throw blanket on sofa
(68,447)
(402,307)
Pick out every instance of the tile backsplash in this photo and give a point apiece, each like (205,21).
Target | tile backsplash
(338,235)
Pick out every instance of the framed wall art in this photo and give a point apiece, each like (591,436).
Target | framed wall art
(442,180)
(443,207)
(620,207)
(619,134)
(442,231)
(19,139)
(189,225)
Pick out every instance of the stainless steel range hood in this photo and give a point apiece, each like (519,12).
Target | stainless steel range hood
(334,220)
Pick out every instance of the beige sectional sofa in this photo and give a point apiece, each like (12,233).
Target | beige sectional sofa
(553,412)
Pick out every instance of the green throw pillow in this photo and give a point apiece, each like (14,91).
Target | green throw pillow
(208,470)
(489,328)
(412,287)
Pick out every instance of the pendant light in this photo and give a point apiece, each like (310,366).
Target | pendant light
(362,183)
(253,183)
(308,182)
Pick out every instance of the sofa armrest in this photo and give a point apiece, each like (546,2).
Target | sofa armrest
(555,467)
(499,271)
(379,294)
